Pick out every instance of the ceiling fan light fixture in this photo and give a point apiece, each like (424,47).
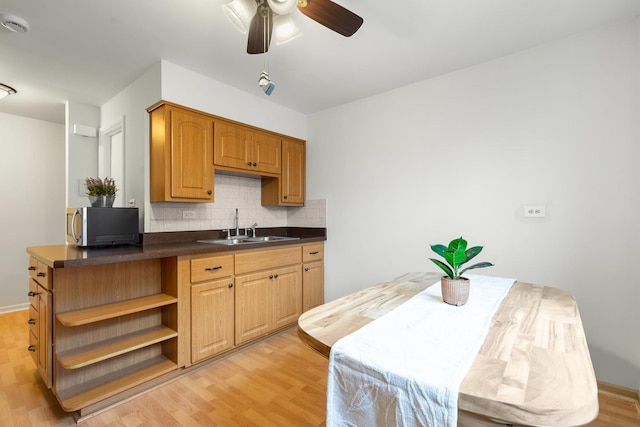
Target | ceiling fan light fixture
(285,29)
(240,13)
(265,83)
(6,90)
(282,7)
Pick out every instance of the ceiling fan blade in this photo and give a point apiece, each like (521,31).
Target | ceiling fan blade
(332,16)
(260,31)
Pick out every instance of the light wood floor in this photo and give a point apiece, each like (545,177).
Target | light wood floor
(277,382)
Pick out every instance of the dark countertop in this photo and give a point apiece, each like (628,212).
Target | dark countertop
(164,245)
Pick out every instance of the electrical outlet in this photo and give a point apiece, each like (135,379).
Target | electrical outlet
(535,211)
(188,214)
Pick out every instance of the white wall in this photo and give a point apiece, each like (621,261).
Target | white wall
(32,177)
(462,153)
(131,104)
(82,151)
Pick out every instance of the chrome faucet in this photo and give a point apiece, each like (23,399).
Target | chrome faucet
(237,223)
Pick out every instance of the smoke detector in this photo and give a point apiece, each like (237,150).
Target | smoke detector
(14,23)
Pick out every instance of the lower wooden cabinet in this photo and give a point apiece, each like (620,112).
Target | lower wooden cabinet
(312,276)
(212,319)
(40,319)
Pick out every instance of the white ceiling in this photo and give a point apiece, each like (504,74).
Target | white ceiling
(89,50)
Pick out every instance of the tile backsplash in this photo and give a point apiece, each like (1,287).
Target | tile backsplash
(233,192)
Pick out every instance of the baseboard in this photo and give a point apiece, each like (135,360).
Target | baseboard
(12,308)
(619,391)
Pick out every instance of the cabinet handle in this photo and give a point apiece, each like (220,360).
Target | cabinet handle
(32,321)
(248,163)
(255,164)
(275,276)
(284,197)
(32,348)
(306,269)
(314,253)
(32,268)
(32,294)
(217,267)
(230,285)
(40,274)
(209,192)
(271,276)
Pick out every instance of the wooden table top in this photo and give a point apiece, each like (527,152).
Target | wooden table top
(533,367)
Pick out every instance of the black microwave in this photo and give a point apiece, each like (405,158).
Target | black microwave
(88,226)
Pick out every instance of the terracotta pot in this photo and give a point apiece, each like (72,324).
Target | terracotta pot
(455,292)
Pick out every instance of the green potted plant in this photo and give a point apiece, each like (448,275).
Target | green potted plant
(455,288)
(101,192)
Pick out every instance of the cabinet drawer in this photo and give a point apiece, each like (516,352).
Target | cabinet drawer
(33,320)
(33,293)
(33,267)
(211,268)
(33,347)
(257,261)
(44,275)
(313,252)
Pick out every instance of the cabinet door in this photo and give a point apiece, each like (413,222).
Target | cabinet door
(287,296)
(293,172)
(191,155)
(45,348)
(212,306)
(312,285)
(233,146)
(266,155)
(253,306)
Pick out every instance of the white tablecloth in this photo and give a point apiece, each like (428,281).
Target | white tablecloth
(405,368)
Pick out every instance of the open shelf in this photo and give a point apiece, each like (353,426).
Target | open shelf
(93,391)
(113,310)
(97,352)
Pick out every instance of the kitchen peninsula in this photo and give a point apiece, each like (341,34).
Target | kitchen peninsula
(107,323)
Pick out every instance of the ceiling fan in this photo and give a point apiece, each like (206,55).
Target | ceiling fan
(325,12)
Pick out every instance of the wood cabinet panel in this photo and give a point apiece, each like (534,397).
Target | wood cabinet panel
(312,285)
(210,268)
(289,188)
(287,296)
(212,318)
(244,148)
(268,259)
(254,306)
(181,155)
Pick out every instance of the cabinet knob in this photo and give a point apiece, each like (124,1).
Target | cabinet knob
(255,164)
(230,285)
(271,276)
(209,192)
(275,276)
(32,294)
(285,197)
(32,268)
(32,321)
(32,348)
(306,269)
(40,274)
(248,163)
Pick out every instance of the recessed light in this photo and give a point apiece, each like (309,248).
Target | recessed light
(14,23)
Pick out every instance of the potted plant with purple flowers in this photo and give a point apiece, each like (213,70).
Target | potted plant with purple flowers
(101,192)
(455,288)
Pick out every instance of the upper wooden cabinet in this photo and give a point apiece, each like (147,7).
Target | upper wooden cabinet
(244,148)
(288,188)
(181,153)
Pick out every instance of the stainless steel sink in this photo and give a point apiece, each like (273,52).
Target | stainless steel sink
(243,239)
(271,238)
